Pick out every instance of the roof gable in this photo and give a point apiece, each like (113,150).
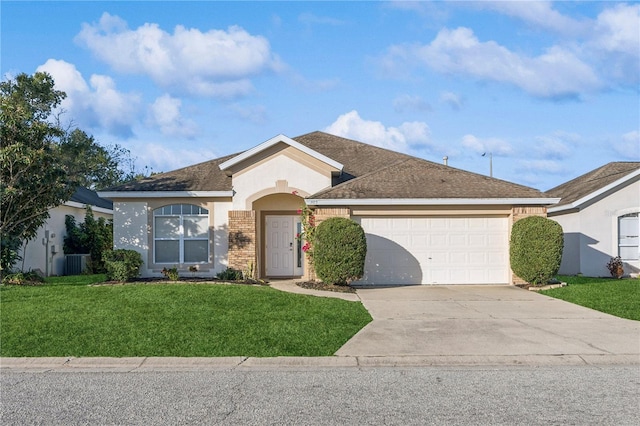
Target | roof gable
(587,187)
(246,155)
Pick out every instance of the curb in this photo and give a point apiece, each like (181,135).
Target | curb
(147,364)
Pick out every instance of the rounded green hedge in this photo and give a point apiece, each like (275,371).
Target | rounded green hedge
(340,248)
(536,249)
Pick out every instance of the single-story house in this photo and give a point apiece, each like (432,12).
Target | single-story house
(44,252)
(426,223)
(599,212)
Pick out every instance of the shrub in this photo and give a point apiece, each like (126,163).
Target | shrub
(90,237)
(229,274)
(9,253)
(23,278)
(122,265)
(171,273)
(616,267)
(340,248)
(536,249)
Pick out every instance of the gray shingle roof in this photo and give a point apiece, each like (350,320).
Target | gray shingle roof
(205,176)
(414,178)
(86,196)
(593,181)
(369,172)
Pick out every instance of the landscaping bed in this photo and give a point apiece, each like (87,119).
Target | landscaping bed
(317,285)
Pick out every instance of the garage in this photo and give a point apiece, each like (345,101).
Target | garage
(436,250)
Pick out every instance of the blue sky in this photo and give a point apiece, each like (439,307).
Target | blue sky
(550,89)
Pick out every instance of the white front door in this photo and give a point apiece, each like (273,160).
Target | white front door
(280,246)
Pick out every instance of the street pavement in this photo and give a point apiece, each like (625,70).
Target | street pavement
(552,395)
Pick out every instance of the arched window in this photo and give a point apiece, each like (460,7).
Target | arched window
(628,236)
(181,234)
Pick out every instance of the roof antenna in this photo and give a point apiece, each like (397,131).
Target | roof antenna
(490,163)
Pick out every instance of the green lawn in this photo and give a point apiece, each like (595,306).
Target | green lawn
(70,318)
(616,297)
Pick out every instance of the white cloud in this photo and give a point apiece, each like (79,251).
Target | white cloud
(538,13)
(557,73)
(409,135)
(558,145)
(215,63)
(255,114)
(410,103)
(543,166)
(95,105)
(629,145)
(494,146)
(162,158)
(451,99)
(616,41)
(165,113)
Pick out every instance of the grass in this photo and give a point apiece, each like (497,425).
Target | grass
(616,297)
(70,318)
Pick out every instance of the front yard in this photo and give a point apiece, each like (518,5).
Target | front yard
(68,317)
(616,297)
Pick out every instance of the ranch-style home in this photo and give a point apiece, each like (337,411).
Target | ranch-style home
(599,213)
(425,222)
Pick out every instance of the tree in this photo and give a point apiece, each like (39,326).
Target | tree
(92,165)
(33,180)
(536,249)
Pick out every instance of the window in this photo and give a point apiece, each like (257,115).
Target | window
(181,234)
(628,232)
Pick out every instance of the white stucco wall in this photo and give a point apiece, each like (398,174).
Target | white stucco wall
(34,253)
(595,229)
(266,175)
(221,235)
(130,229)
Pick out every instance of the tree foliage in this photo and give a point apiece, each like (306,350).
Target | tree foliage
(93,236)
(42,163)
(33,179)
(536,249)
(340,251)
(92,165)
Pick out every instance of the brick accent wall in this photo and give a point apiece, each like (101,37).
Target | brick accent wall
(325,213)
(518,213)
(242,238)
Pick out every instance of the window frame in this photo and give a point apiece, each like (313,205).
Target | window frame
(181,215)
(636,216)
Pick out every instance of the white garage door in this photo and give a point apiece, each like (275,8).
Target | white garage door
(447,250)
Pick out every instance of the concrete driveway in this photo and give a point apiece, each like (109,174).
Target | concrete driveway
(488,321)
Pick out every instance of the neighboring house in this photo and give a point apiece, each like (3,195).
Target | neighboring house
(48,243)
(599,214)
(426,223)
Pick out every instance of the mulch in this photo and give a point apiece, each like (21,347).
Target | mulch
(184,280)
(317,285)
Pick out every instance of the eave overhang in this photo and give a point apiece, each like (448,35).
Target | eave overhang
(431,201)
(165,194)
